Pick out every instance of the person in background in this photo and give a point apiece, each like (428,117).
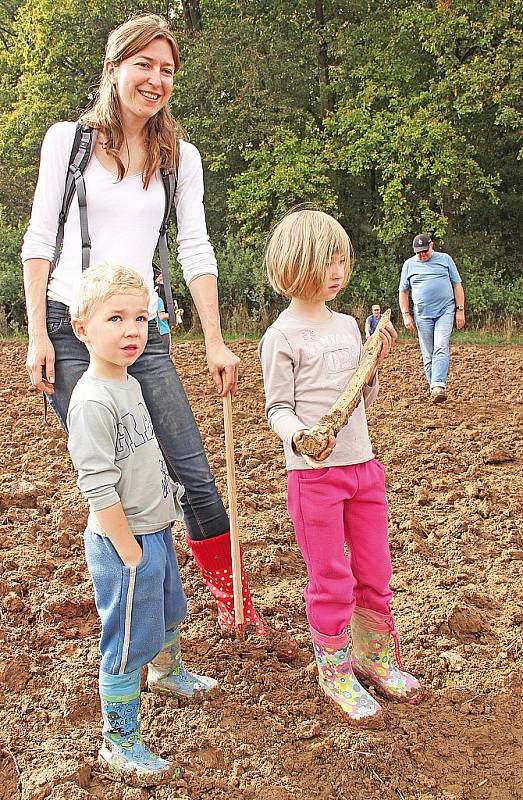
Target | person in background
(162,317)
(178,313)
(372,321)
(438,302)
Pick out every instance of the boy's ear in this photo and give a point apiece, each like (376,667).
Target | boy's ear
(79,331)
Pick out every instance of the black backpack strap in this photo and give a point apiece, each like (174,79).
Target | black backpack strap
(169,185)
(81,150)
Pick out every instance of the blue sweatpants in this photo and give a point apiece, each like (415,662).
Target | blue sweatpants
(137,605)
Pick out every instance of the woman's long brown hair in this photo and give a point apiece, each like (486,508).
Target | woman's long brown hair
(161,131)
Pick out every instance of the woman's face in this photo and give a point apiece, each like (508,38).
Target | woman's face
(144,81)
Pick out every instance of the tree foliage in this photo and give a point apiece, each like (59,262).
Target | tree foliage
(395,116)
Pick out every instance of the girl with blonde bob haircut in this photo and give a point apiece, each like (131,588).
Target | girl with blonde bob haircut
(339,512)
(300,250)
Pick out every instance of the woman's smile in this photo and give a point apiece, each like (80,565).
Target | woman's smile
(149,95)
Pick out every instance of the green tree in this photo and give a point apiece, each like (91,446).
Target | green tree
(11,295)
(424,89)
(284,171)
(392,115)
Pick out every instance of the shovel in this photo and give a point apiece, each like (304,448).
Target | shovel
(233,514)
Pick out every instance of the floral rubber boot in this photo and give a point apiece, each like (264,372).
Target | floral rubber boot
(123,753)
(166,673)
(338,681)
(372,633)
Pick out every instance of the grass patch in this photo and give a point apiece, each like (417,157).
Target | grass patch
(13,336)
(481,337)
(468,336)
(486,337)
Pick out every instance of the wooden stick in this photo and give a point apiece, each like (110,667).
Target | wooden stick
(315,440)
(233,511)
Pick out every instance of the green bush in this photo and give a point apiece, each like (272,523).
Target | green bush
(248,304)
(489,294)
(11,292)
(372,281)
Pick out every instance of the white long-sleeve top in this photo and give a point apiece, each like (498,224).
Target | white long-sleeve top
(124,218)
(306,364)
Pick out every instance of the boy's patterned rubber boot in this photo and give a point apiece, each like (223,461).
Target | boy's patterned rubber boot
(371,656)
(123,753)
(166,673)
(213,557)
(338,681)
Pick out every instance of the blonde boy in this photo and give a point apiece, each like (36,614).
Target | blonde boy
(128,543)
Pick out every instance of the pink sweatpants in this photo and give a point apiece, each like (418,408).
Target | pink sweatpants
(340,519)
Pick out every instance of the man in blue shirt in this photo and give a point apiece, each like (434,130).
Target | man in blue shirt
(371,322)
(434,284)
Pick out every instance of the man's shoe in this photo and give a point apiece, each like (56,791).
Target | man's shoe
(438,394)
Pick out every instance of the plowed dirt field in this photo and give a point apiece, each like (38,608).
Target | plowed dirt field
(456,510)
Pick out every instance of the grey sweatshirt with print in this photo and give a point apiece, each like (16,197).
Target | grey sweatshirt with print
(113,447)
(306,364)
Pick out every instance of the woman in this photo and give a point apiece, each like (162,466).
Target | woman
(136,136)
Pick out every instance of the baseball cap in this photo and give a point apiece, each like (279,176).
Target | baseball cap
(421,243)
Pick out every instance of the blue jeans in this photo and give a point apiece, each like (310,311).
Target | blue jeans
(434,341)
(171,415)
(137,605)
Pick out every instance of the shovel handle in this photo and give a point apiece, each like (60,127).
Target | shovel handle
(233,511)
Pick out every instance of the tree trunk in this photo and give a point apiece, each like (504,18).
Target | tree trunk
(192,15)
(323,59)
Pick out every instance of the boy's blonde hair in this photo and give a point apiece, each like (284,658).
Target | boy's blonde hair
(98,284)
(299,253)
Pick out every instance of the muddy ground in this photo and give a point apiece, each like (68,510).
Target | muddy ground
(456,500)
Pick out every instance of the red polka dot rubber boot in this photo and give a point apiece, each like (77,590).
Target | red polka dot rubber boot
(372,634)
(213,557)
(338,681)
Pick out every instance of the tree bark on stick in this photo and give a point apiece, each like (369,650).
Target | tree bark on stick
(315,440)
